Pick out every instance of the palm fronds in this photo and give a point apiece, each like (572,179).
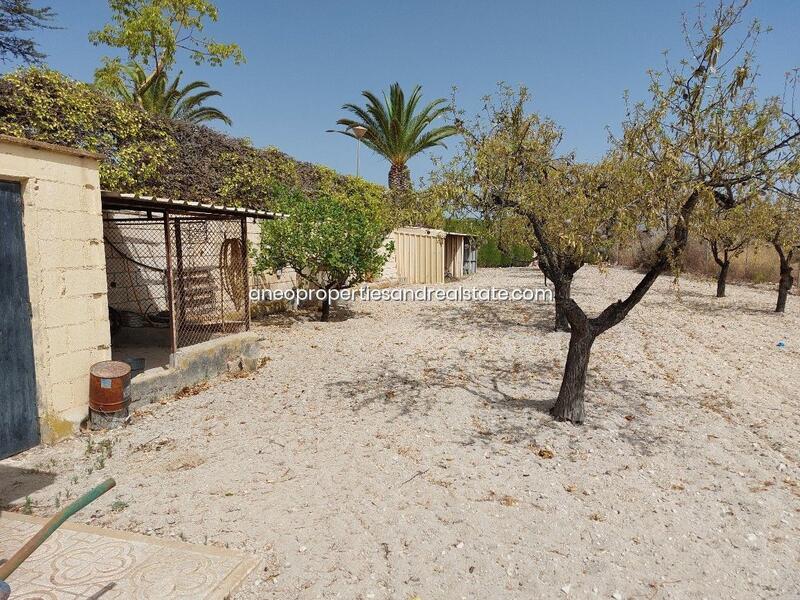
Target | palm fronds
(395,128)
(168,98)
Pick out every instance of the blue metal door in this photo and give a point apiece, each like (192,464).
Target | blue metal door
(19,426)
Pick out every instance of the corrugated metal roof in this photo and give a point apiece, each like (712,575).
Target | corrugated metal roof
(432,232)
(422,231)
(118,200)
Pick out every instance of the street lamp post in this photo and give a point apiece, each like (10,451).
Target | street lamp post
(358,132)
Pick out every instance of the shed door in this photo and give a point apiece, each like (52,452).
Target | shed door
(19,427)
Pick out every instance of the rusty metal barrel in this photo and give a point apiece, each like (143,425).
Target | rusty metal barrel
(110,386)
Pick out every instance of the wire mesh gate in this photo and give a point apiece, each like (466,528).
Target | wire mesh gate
(188,273)
(210,278)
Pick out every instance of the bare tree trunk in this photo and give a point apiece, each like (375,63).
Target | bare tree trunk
(562,287)
(569,405)
(562,294)
(722,278)
(786,280)
(723,261)
(326,308)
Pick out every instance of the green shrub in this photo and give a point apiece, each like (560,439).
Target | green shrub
(40,104)
(490,255)
(330,242)
(489,235)
(520,255)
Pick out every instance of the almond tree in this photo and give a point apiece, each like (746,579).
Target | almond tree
(702,138)
(784,235)
(729,232)
(508,164)
(506,156)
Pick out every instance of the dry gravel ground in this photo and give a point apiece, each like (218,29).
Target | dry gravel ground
(406,452)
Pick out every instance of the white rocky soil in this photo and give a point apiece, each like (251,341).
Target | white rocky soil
(406,452)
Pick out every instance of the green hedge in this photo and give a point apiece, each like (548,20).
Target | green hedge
(490,255)
(489,252)
(147,154)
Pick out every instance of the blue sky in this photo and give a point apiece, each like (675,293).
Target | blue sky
(305,58)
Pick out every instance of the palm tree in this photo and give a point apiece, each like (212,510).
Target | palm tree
(396,131)
(169,99)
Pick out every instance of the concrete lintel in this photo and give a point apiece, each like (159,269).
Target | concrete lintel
(37,145)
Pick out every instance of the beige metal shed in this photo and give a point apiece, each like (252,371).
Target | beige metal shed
(454,256)
(460,255)
(419,254)
(424,255)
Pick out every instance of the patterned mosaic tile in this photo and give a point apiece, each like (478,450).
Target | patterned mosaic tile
(89,563)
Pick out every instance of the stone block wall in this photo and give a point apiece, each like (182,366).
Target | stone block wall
(66,274)
(268,281)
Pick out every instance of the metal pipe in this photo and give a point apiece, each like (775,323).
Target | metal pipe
(181,301)
(202,219)
(358,145)
(246,267)
(170,291)
(8,567)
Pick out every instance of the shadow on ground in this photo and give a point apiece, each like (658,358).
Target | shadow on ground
(287,318)
(478,317)
(16,483)
(511,400)
(707,304)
